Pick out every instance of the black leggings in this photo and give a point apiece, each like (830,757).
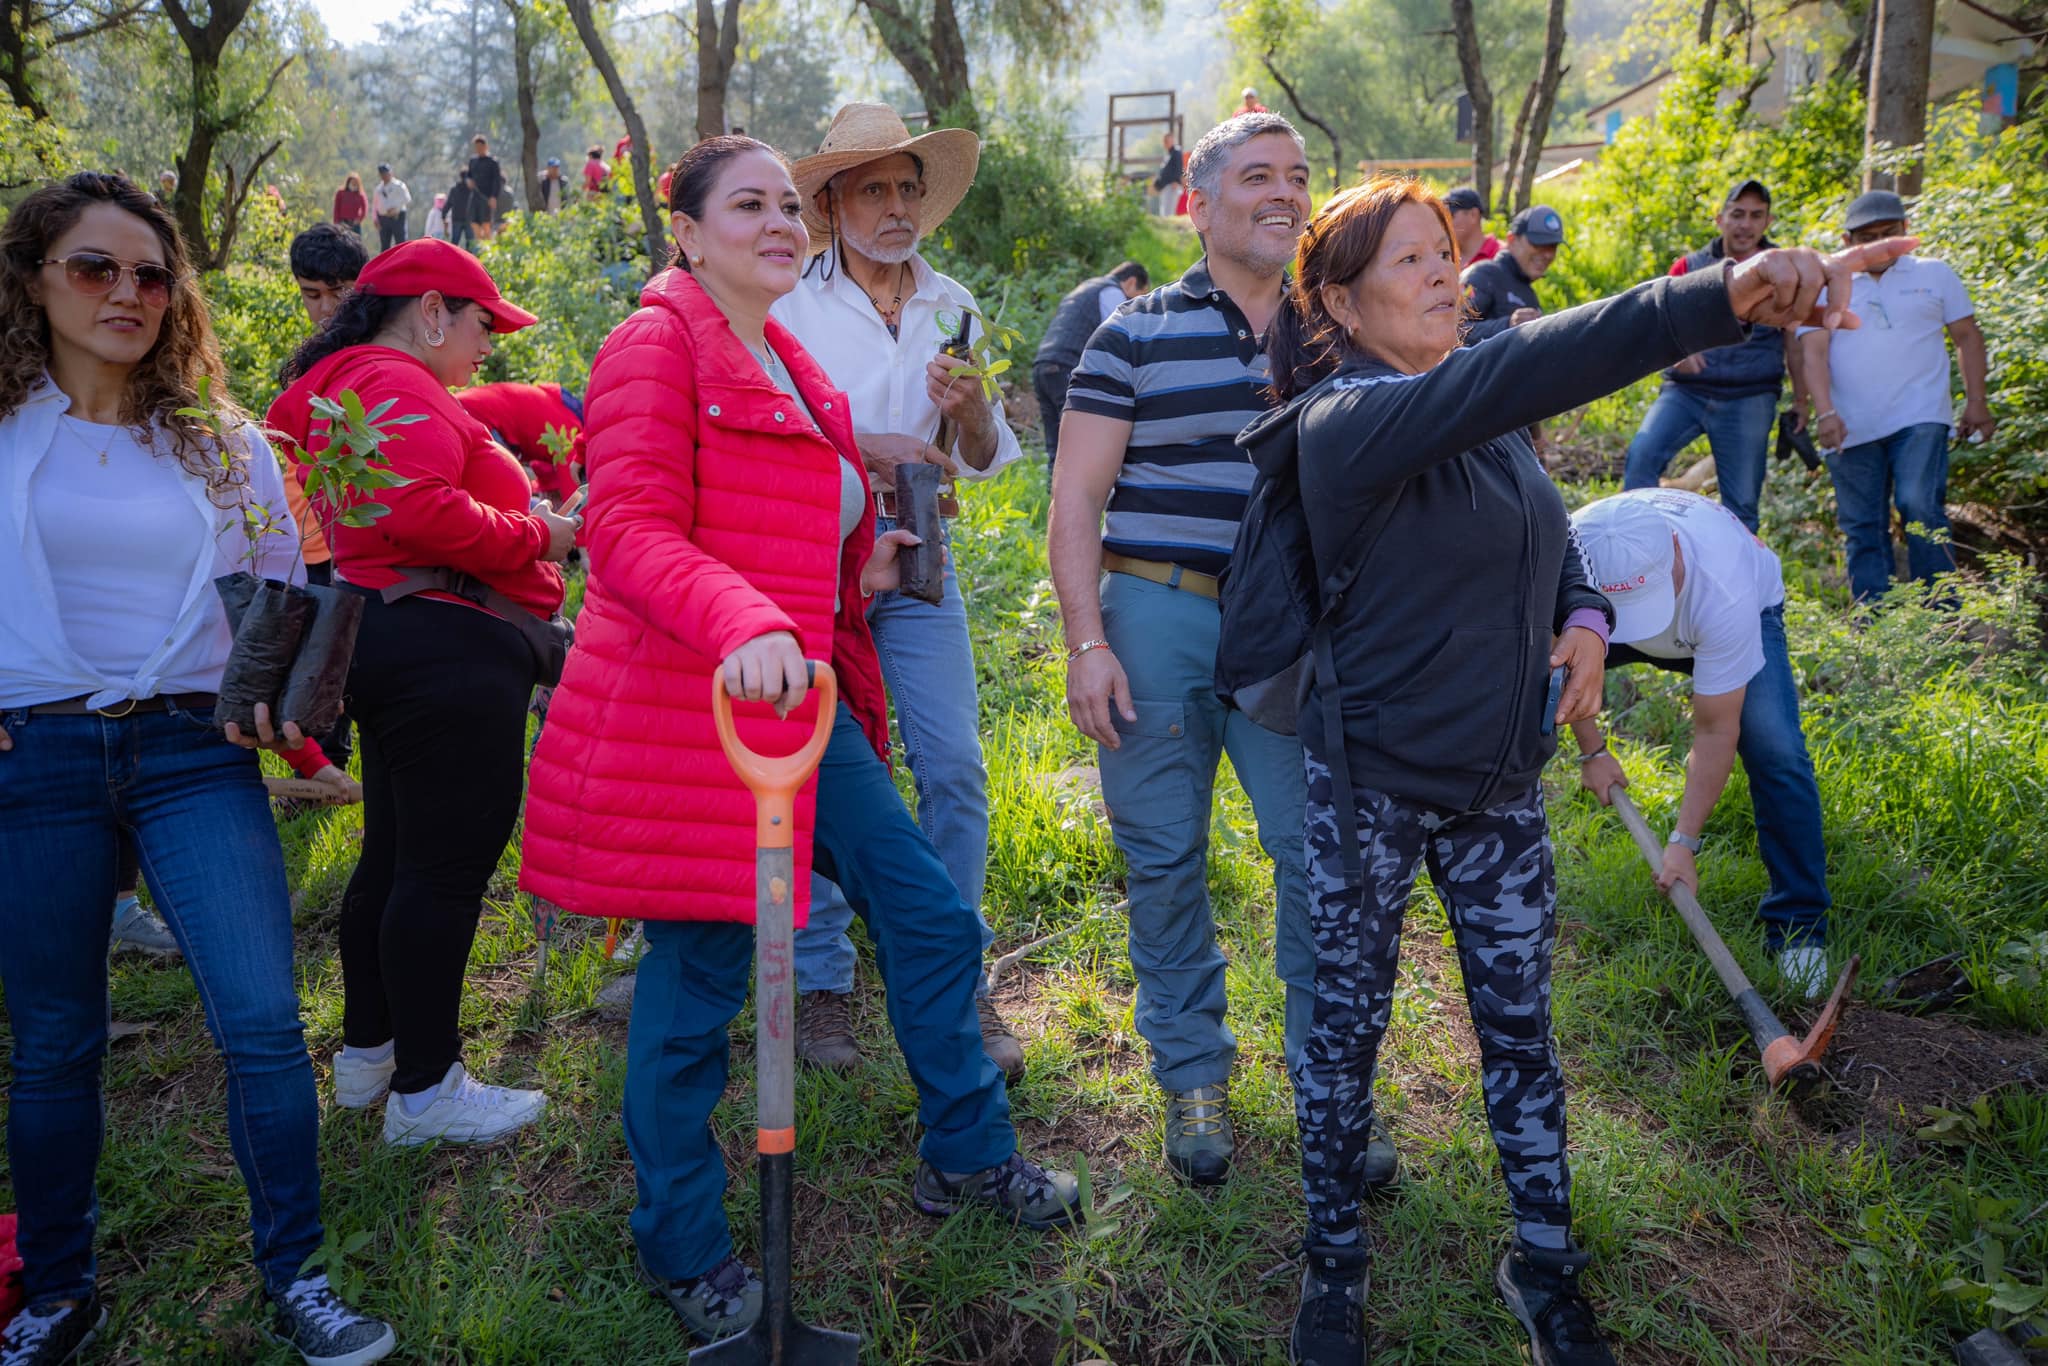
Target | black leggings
(439,692)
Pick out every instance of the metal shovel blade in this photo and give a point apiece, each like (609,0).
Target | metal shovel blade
(789,1342)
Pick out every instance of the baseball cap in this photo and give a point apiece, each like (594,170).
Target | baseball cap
(1464,197)
(412,268)
(1750,186)
(1877,206)
(383,166)
(1629,554)
(554,161)
(1539,225)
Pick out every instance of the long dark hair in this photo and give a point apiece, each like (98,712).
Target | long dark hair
(167,377)
(1306,344)
(696,171)
(359,320)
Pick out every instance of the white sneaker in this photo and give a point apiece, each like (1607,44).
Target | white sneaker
(144,931)
(1805,969)
(360,1082)
(463,1110)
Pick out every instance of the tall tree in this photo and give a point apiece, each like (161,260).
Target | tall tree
(1903,50)
(930,40)
(718,41)
(29,28)
(1542,101)
(524,22)
(933,53)
(1276,30)
(1466,27)
(215,113)
(583,15)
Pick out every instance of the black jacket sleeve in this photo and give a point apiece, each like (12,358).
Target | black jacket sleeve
(1380,429)
(1574,590)
(1479,329)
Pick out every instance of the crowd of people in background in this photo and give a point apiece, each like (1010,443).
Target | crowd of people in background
(1369,377)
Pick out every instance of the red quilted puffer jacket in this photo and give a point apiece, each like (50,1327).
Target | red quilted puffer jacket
(713,518)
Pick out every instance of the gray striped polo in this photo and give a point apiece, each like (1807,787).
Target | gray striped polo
(1185,369)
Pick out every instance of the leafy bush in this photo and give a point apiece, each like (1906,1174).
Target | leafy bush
(578,272)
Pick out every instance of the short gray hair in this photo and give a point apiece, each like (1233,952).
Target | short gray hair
(1212,153)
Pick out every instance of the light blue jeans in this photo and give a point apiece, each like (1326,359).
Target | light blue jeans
(1158,785)
(1909,469)
(928,666)
(1738,431)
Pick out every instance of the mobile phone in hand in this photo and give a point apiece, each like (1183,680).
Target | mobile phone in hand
(1550,703)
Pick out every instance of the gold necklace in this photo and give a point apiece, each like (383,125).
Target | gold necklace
(107,448)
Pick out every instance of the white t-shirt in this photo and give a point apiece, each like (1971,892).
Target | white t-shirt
(1730,578)
(1893,372)
(122,541)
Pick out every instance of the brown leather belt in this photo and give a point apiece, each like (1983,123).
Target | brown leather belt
(75,706)
(1172,575)
(885,504)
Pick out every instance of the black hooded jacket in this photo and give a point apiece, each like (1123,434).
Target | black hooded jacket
(1441,646)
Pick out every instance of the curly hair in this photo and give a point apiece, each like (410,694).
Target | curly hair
(168,375)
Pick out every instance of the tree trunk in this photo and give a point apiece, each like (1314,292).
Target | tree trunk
(204,44)
(1904,47)
(581,15)
(1548,78)
(718,40)
(1510,171)
(529,124)
(1706,32)
(935,60)
(1337,177)
(16,18)
(1854,63)
(1474,71)
(476,57)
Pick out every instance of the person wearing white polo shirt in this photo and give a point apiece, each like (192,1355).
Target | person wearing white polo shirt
(1884,405)
(1695,592)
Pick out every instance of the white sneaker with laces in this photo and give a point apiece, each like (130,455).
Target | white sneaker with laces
(142,930)
(320,1326)
(463,1110)
(1805,969)
(360,1081)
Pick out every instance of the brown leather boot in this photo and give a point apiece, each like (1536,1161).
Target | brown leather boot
(824,1031)
(998,1042)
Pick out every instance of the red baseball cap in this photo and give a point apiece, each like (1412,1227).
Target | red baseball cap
(413,268)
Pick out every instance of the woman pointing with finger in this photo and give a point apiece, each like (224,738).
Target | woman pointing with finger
(1428,723)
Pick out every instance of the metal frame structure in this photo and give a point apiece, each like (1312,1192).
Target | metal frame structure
(1117,158)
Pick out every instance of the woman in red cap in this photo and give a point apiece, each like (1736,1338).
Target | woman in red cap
(458,629)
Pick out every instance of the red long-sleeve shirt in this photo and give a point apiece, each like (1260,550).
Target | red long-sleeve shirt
(520,415)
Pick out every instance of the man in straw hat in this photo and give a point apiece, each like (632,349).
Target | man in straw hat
(1152,414)
(875,314)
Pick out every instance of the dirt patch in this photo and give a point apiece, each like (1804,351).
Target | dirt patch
(1888,1069)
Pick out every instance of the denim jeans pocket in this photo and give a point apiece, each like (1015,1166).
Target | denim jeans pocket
(1145,780)
(198,718)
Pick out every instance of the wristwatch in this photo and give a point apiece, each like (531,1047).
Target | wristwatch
(1692,842)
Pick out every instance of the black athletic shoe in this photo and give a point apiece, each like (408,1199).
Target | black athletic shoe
(316,1323)
(51,1334)
(1019,1190)
(721,1303)
(1382,1160)
(1329,1328)
(1541,1287)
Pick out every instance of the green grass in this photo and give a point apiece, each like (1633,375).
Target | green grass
(1728,1227)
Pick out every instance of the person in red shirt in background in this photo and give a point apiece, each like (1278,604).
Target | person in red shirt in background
(1249,104)
(460,578)
(523,418)
(1468,226)
(351,205)
(595,172)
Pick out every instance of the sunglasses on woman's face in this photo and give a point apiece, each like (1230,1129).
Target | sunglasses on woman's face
(93,274)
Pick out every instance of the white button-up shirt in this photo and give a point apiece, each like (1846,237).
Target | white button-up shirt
(884,376)
(389,196)
(187,653)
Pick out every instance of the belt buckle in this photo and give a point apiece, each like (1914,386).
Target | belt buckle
(133,702)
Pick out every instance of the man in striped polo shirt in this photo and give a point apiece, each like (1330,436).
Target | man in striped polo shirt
(1149,436)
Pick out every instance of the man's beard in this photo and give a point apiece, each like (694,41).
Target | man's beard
(1243,253)
(875,251)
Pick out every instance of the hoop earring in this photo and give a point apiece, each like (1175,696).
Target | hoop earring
(437,337)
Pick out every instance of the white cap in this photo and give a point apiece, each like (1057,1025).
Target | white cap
(1629,554)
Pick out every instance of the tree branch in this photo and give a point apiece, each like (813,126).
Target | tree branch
(1337,176)
(114,20)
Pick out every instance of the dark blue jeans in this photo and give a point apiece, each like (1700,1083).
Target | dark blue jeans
(695,977)
(194,808)
(1738,431)
(1782,791)
(1909,468)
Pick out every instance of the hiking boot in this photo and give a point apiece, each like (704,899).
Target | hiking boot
(1329,1328)
(1020,1190)
(824,1030)
(461,1110)
(1804,966)
(1200,1138)
(1541,1288)
(51,1334)
(141,930)
(722,1302)
(361,1078)
(998,1042)
(317,1324)
(1382,1159)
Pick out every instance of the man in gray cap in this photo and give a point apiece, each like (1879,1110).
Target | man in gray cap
(1884,405)
(1468,226)
(1501,293)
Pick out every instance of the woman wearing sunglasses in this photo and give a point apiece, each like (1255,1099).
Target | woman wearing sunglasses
(116,514)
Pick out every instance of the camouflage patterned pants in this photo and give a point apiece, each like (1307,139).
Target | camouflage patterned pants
(1493,871)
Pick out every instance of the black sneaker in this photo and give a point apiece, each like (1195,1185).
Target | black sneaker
(1329,1328)
(1020,1190)
(50,1334)
(1382,1160)
(314,1321)
(722,1302)
(1541,1287)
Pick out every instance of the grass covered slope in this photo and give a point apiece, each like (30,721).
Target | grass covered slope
(1728,1227)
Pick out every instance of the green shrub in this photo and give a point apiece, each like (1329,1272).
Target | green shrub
(577,272)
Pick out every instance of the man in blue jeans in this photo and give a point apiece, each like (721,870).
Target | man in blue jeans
(1885,403)
(1696,592)
(1729,393)
(874,314)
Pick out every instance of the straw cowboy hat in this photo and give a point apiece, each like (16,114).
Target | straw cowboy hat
(861,133)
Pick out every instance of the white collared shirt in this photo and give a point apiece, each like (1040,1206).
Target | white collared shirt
(389,197)
(182,652)
(884,376)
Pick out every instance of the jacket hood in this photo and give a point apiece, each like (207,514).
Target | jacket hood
(1272,439)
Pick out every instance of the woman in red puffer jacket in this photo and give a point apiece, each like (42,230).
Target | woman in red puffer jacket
(730,529)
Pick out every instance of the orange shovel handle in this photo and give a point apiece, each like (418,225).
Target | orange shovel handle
(775,780)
